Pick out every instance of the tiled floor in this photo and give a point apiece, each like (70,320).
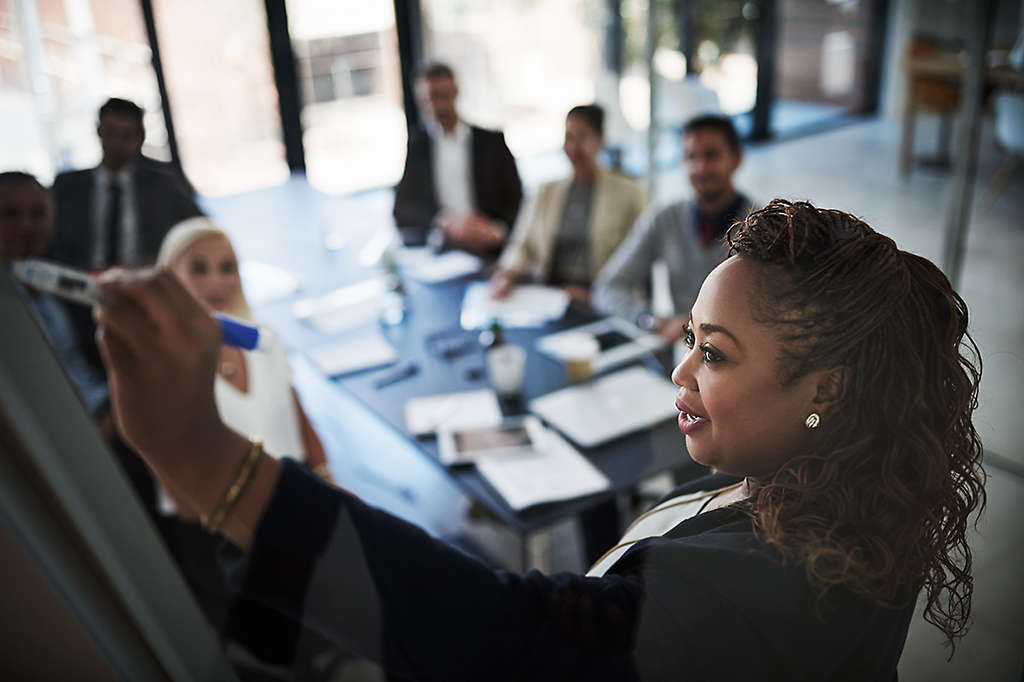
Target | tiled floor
(855,169)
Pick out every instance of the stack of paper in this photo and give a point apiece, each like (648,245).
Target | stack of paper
(463,410)
(553,472)
(528,305)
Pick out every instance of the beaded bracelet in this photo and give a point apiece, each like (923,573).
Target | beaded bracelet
(220,513)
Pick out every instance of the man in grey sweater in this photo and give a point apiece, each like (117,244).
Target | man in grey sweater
(686,234)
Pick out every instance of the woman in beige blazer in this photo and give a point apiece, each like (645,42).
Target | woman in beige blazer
(572,226)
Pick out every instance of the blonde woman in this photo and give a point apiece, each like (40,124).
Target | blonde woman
(253,389)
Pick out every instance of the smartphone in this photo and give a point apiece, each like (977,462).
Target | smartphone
(611,339)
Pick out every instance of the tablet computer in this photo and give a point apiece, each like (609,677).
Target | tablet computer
(513,435)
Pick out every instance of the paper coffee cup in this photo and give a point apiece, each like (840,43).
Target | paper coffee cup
(578,353)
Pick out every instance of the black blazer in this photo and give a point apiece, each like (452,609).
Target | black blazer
(704,601)
(162,200)
(497,190)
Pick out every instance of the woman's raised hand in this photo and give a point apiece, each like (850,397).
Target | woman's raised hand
(160,347)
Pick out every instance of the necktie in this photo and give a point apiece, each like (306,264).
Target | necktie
(114,224)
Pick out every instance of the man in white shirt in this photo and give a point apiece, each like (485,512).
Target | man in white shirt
(460,187)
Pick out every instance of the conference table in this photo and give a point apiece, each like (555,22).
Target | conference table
(431,323)
(449,358)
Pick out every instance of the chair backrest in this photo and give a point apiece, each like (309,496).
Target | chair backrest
(1009,107)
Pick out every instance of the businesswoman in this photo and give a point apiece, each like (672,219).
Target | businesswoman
(829,373)
(571,227)
(252,388)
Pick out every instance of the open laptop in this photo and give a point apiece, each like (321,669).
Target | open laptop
(598,411)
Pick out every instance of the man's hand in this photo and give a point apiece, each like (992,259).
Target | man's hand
(473,232)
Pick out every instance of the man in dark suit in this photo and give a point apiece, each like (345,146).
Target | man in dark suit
(460,187)
(118,212)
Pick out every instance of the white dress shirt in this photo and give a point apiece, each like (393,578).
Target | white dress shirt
(129,242)
(453,170)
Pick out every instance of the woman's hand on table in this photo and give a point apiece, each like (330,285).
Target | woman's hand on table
(160,347)
(502,283)
(577,293)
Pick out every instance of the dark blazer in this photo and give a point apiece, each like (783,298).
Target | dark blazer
(704,601)
(162,200)
(497,190)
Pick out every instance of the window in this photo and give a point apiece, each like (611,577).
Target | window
(59,61)
(821,61)
(521,65)
(216,59)
(354,129)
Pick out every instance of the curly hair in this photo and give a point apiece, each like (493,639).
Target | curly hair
(879,504)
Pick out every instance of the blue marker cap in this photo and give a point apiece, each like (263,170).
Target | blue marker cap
(237,334)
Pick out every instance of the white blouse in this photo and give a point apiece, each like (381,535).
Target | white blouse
(266,411)
(655,523)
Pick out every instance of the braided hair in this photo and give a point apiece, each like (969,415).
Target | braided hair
(879,504)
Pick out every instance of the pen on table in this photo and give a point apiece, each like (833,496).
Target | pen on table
(80,287)
(403,372)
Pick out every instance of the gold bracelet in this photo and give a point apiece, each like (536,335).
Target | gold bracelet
(234,491)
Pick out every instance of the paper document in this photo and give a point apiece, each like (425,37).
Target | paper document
(344,308)
(529,305)
(356,351)
(265,283)
(446,266)
(467,409)
(554,471)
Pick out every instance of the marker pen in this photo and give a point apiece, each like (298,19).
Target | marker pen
(80,287)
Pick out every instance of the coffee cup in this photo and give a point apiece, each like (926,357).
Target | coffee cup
(579,351)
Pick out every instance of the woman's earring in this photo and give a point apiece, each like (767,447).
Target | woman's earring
(812,420)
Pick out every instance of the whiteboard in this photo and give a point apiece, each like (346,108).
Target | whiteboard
(66,500)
